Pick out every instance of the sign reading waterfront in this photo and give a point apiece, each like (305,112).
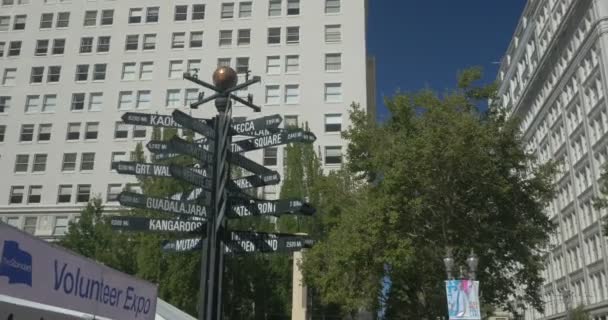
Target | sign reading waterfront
(136,200)
(269,207)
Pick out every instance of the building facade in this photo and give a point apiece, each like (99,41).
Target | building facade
(554,79)
(70,68)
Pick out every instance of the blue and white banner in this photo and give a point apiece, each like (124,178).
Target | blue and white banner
(34,270)
(463,299)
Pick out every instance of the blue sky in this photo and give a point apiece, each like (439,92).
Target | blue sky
(423,43)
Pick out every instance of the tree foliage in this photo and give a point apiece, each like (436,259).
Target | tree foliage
(438,174)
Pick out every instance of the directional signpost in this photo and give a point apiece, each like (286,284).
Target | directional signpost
(204,209)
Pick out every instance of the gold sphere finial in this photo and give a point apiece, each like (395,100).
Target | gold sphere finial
(225,78)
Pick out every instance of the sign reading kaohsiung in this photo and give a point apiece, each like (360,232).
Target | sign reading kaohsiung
(463,299)
(34,270)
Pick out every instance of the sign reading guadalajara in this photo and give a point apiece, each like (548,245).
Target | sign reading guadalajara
(34,270)
(141,201)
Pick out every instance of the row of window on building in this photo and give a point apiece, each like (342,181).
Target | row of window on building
(195,12)
(33,224)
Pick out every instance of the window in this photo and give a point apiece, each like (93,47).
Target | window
(37,75)
(117,157)
(293,7)
(245,9)
(244,37)
(132,42)
(273,65)
(135,15)
(64,195)
(87,162)
(58,46)
(149,41)
(107,17)
(46,21)
(14,48)
(270,156)
(242,65)
(227,10)
(53,74)
(274,8)
(178,40)
(128,71)
(13,221)
(73,131)
(196,39)
(273,94)
(95,101)
(90,18)
(19,23)
(332,6)
(333,33)
(32,104)
(61,226)
(83,193)
(194,66)
(30,224)
(292,64)
(225,38)
(27,133)
(16,194)
(63,20)
(42,47)
(125,100)
(99,72)
(77,102)
(22,161)
(2,132)
(191,96)
(139,132)
(152,14)
(49,103)
(143,99)
(223,62)
(91,131)
(5,23)
(86,44)
(103,44)
(291,121)
(145,71)
(2,48)
(10,74)
(173,98)
(82,72)
(333,92)
(121,131)
(333,155)
(69,162)
(181,13)
(113,191)
(39,163)
(44,132)
(274,35)
(333,62)
(176,69)
(292,94)
(198,11)
(5,104)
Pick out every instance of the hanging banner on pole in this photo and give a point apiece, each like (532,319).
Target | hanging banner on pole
(463,299)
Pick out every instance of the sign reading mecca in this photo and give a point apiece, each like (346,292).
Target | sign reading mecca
(463,299)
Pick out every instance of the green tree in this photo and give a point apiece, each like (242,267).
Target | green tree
(579,313)
(438,174)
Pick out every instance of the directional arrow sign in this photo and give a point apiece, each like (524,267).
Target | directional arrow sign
(256,181)
(248,127)
(248,164)
(150,169)
(142,224)
(136,200)
(191,176)
(182,146)
(272,140)
(183,245)
(250,242)
(148,119)
(244,208)
(191,123)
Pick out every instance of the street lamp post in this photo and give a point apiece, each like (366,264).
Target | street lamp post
(472,262)
(567,296)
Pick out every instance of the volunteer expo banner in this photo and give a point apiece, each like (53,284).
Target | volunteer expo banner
(37,271)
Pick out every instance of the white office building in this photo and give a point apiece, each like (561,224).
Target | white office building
(554,78)
(70,68)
